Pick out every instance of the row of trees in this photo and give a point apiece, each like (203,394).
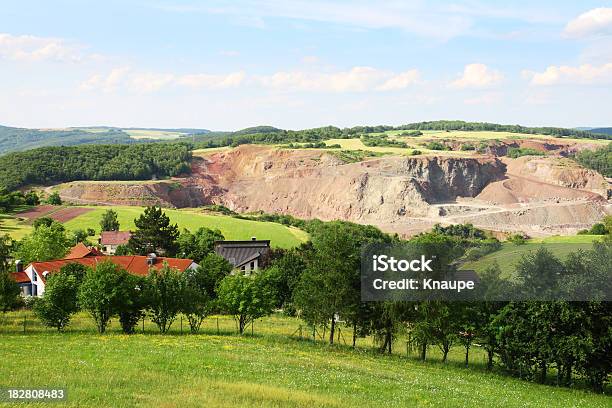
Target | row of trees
(105,162)
(599,160)
(320,282)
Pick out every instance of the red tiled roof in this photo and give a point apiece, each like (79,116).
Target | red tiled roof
(115,237)
(134,264)
(81,251)
(20,277)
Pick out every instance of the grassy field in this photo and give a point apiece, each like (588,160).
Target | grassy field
(152,134)
(232,228)
(270,369)
(508,256)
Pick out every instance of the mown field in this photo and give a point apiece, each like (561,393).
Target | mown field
(232,228)
(272,368)
(510,254)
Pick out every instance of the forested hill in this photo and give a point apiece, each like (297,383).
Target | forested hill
(268,134)
(605,131)
(18,139)
(48,165)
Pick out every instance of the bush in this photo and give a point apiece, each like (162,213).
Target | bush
(164,293)
(247,297)
(103,292)
(54,199)
(515,152)
(59,302)
(415,152)
(436,146)
(517,239)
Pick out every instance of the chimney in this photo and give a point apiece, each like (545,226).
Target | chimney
(18,265)
(253,238)
(151,259)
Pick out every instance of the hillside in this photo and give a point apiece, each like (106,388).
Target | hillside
(605,130)
(273,368)
(18,139)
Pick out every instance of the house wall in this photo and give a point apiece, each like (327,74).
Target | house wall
(36,281)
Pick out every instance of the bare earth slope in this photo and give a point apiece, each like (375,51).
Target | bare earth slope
(397,193)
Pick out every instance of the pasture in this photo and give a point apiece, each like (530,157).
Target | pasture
(83,217)
(192,219)
(274,367)
(510,254)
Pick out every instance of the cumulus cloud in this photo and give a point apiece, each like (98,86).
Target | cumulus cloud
(594,22)
(485,99)
(210,81)
(154,81)
(356,79)
(585,74)
(106,83)
(400,81)
(32,48)
(477,76)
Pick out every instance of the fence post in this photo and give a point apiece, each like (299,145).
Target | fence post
(314,331)
(252,323)
(181,324)
(143,319)
(217,326)
(24,322)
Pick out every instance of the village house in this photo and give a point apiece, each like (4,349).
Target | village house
(246,256)
(110,240)
(33,277)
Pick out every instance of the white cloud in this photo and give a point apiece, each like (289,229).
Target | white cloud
(209,81)
(107,83)
(356,79)
(32,48)
(585,74)
(125,78)
(477,76)
(594,22)
(400,81)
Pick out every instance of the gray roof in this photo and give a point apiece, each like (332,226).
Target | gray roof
(239,253)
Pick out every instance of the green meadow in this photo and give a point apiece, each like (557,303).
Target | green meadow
(510,254)
(232,228)
(273,367)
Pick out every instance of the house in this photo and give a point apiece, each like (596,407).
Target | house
(247,256)
(110,240)
(32,279)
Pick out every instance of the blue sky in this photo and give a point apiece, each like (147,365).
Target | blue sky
(296,64)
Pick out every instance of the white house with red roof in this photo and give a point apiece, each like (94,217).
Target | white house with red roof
(32,278)
(110,240)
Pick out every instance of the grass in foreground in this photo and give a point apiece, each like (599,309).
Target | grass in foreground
(232,228)
(270,369)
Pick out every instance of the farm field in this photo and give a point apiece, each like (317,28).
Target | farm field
(508,256)
(152,134)
(270,369)
(357,144)
(232,228)
(83,217)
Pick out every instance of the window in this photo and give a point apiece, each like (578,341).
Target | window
(252,265)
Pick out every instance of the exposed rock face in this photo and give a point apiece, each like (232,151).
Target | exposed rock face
(314,184)
(407,195)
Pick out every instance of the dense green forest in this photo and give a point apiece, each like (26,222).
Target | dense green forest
(599,160)
(272,135)
(103,162)
(605,131)
(18,139)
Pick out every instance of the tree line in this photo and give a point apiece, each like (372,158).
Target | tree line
(105,162)
(270,135)
(599,160)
